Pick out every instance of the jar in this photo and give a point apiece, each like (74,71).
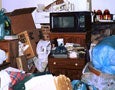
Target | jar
(99,15)
(106,15)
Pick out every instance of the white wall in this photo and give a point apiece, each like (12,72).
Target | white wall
(104,4)
(10,5)
(0,4)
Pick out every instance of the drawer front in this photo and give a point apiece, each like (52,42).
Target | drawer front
(68,64)
(72,68)
(71,73)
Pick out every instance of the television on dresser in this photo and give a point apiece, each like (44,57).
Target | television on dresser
(70,21)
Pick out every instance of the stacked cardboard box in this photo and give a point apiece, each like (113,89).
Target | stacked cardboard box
(22,24)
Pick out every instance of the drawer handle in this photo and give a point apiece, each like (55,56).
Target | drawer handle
(54,63)
(76,64)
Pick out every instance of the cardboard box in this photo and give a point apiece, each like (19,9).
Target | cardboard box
(22,24)
(27,38)
(22,63)
(21,20)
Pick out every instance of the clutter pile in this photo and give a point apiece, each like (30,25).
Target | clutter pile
(19,25)
(100,71)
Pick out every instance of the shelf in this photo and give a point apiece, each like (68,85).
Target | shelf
(104,22)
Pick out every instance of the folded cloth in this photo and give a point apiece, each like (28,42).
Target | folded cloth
(15,78)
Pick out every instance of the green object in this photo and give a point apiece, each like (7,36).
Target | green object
(5,24)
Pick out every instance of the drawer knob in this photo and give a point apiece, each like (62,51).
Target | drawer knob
(54,63)
(76,64)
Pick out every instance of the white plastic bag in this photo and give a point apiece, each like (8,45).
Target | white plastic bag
(43,50)
(3,56)
(101,82)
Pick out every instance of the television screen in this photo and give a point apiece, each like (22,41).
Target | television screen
(63,22)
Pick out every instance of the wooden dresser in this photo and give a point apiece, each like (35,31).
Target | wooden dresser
(69,67)
(82,38)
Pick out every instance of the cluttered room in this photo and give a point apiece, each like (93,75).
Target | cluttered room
(61,45)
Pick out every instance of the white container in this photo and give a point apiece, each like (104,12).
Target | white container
(114,17)
(60,41)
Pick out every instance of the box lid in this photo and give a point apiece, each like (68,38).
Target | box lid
(22,11)
(22,20)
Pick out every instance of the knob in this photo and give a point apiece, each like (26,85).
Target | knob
(76,64)
(54,63)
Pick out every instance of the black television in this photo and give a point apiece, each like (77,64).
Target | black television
(70,21)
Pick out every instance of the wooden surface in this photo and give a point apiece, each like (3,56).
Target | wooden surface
(72,68)
(11,49)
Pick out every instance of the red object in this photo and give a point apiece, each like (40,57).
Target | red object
(106,14)
(99,12)
(99,15)
(15,78)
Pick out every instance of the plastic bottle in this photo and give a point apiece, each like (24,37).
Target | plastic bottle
(94,16)
(2,31)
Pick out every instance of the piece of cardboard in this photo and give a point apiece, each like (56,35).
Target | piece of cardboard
(21,20)
(22,63)
(28,39)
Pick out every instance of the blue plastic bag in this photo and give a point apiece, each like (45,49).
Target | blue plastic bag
(103,55)
(78,85)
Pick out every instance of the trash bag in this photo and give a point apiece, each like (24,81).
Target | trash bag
(103,55)
(96,81)
(5,24)
(78,85)
(43,50)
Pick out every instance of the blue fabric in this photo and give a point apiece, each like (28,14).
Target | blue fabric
(103,55)
(78,85)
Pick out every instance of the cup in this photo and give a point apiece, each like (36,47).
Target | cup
(60,41)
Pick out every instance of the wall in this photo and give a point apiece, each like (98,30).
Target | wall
(96,4)
(15,4)
(0,4)
(104,4)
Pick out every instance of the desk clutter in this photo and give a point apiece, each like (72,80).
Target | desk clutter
(69,50)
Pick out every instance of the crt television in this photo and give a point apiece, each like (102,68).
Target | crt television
(70,21)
